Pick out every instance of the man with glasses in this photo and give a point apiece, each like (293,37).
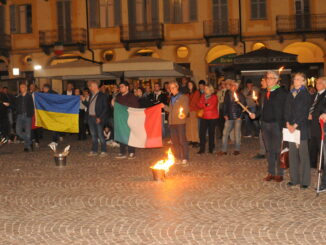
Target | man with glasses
(272,123)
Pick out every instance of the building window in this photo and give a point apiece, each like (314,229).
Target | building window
(105,13)
(258,9)
(2,19)
(182,52)
(21,18)
(180,11)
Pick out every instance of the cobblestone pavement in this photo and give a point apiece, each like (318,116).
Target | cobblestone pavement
(215,200)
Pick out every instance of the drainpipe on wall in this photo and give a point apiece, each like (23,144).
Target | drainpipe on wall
(240,28)
(87,32)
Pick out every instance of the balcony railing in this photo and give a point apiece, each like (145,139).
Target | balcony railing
(221,28)
(5,42)
(141,33)
(68,37)
(303,23)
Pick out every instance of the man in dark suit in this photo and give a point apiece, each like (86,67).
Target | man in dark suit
(70,89)
(97,108)
(314,114)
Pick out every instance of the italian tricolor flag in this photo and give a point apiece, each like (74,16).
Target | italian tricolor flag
(140,128)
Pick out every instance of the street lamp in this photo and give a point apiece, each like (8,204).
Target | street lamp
(37,67)
(15,71)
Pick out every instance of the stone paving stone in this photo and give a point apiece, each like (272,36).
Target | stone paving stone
(214,200)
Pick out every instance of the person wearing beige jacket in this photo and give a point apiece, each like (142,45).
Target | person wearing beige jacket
(178,110)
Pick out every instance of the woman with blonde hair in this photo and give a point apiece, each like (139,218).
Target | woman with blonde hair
(208,102)
(296,114)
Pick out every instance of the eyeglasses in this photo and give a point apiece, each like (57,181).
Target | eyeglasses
(271,78)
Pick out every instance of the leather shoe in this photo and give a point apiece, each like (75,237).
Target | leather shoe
(278,178)
(200,152)
(221,153)
(290,184)
(236,153)
(269,177)
(304,187)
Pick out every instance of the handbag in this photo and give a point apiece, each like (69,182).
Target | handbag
(200,113)
(284,158)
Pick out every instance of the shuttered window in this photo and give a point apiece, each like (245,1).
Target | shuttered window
(180,11)
(2,19)
(21,18)
(104,13)
(258,9)
(167,11)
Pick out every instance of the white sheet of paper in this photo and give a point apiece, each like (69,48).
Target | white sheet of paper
(291,137)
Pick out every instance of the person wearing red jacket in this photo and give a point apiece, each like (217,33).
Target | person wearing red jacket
(208,102)
(192,121)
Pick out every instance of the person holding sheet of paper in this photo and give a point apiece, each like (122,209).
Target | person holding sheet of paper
(296,114)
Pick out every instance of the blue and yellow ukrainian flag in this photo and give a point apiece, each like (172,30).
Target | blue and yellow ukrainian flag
(57,112)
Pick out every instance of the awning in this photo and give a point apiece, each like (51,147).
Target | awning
(76,70)
(142,67)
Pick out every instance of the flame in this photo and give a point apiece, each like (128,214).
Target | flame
(235,97)
(254,97)
(165,164)
(181,113)
(280,69)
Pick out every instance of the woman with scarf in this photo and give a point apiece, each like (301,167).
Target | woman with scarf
(208,102)
(296,117)
(271,115)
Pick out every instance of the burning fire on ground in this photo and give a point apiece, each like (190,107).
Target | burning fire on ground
(166,163)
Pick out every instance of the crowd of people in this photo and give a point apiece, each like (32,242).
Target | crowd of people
(227,113)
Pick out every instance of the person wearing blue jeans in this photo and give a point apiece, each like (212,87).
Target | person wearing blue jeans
(233,118)
(97,134)
(25,112)
(228,127)
(97,108)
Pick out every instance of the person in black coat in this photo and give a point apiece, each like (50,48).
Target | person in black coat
(97,108)
(4,121)
(271,115)
(70,89)
(314,114)
(233,115)
(296,117)
(25,112)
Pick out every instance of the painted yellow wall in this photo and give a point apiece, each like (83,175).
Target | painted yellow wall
(188,34)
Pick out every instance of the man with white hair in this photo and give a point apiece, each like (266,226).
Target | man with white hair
(271,113)
(314,114)
(97,108)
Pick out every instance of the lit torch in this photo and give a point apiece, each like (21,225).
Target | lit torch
(254,96)
(280,70)
(236,99)
(181,115)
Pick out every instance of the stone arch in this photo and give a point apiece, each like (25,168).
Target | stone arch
(307,52)
(217,52)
